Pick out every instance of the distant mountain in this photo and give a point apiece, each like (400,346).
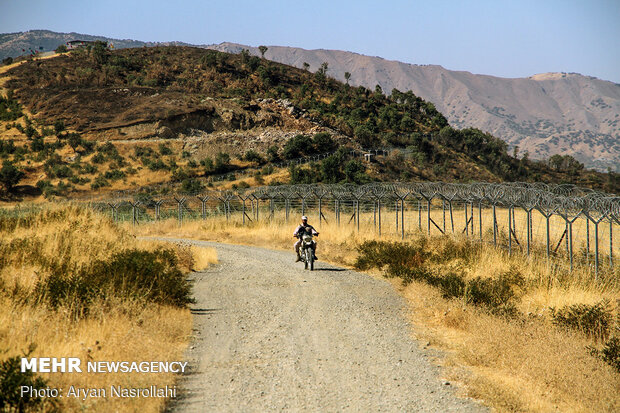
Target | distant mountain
(545,114)
(17,44)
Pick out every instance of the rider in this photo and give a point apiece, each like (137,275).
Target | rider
(300,231)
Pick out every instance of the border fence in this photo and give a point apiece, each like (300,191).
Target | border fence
(561,220)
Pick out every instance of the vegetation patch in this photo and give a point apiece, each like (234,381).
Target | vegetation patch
(11,381)
(414,261)
(593,320)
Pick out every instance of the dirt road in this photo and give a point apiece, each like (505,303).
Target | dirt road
(270,336)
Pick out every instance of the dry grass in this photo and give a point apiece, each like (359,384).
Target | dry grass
(115,330)
(512,365)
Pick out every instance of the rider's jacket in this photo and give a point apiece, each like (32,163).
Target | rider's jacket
(302,229)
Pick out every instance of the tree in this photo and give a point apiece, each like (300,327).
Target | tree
(330,169)
(364,136)
(262,50)
(61,49)
(306,66)
(323,142)
(355,172)
(222,162)
(74,140)
(10,175)
(99,52)
(347,76)
(59,126)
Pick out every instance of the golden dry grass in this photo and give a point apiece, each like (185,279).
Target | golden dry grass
(117,331)
(513,366)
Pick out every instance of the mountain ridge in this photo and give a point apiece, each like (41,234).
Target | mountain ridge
(543,114)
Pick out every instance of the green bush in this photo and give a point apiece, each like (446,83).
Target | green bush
(11,380)
(99,182)
(253,156)
(10,109)
(593,320)
(157,165)
(409,261)
(164,149)
(611,353)
(98,158)
(222,162)
(114,175)
(129,275)
(60,171)
(191,186)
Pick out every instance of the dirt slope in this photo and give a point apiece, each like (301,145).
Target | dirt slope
(270,336)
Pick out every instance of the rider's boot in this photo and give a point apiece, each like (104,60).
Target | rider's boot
(298,258)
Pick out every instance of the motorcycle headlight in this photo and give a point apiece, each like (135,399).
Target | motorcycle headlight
(307,238)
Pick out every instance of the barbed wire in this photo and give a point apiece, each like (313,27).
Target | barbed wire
(568,202)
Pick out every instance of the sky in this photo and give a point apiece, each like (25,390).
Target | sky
(496,37)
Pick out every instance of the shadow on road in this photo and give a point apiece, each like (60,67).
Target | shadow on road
(204,311)
(330,269)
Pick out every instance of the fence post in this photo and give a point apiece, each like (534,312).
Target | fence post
(494,225)
(180,201)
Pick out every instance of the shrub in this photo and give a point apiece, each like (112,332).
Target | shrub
(164,149)
(11,380)
(253,156)
(222,162)
(10,109)
(99,182)
(59,126)
(98,158)
(494,293)
(272,154)
(593,320)
(60,171)
(408,261)
(131,274)
(611,353)
(157,165)
(114,175)
(89,169)
(191,186)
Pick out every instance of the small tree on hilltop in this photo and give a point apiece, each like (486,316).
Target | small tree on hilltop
(262,50)
(347,77)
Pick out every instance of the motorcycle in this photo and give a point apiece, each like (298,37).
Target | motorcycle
(306,252)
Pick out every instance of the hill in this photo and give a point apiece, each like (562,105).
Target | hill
(20,43)
(98,119)
(545,114)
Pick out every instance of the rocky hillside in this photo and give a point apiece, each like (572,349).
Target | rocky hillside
(546,114)
(124,119)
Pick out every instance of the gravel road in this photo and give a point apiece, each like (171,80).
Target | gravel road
(270,336)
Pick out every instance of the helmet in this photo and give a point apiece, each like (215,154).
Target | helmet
(304,218)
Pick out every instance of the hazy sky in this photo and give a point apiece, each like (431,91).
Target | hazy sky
(496,37)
